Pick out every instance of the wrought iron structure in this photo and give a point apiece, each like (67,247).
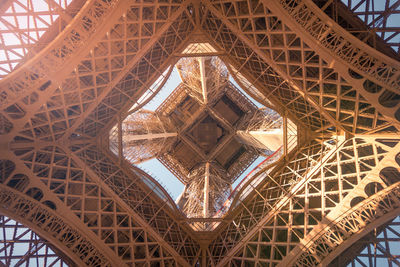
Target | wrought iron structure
(72,70)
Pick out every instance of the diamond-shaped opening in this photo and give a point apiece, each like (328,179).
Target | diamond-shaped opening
(206,130)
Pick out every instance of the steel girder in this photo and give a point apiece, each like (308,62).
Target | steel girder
(58,104)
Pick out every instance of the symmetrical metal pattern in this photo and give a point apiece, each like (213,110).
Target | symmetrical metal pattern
(72,69)
(373,22)
(22,246)
(377,248)
(26,27)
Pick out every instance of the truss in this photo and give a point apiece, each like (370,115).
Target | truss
(76,68)
(22,246)
(375,248)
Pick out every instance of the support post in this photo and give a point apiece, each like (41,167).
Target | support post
(206,190)
(120,147)
(204,257)
(285,135)
(203,79)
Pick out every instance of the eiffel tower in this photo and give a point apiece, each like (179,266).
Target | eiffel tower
(75,78)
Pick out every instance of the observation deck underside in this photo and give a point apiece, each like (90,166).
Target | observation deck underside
(75,77)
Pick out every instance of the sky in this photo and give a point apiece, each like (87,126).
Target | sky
(12,48)
(154,167)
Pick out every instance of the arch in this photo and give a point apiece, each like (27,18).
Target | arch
(35,193)
(354,238)
(356,200)
(6,168)
(50,204)
(39,231)
(380,244)
(45,222)
(371,87)
(19,182)
(346,228)
(26,247)
(390,175)
(58,56)
(372,64)
(5,125)
(372,188)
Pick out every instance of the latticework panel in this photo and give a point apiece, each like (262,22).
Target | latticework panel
(257,71)
(28,202)
(300,199)
(371,21)
(142,135)
(21,246)
(68,78)
(115,224)
(203,76)
(95,76)
(358,56)
(26,27)
(140,77)
(377,248)
(130,187)
(42,73)
(374,75)
(217,190)
(311,79)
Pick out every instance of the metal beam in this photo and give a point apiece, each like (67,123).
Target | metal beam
(206,191)
(149,136)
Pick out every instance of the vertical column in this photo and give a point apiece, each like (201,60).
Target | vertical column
(120,144)
(146,134)
(285,135)
(203,79)
(204,257)
(206,191)
(263,129)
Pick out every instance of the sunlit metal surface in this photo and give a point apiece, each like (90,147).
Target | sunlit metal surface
(331,68)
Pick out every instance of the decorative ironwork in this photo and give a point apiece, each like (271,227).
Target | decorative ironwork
(68,79)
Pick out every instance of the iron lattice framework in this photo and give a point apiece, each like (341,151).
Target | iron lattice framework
(20,246)
(72,69)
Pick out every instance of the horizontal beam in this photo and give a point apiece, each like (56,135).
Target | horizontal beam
(136,137)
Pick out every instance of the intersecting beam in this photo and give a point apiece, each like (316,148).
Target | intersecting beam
(379,68)
(342,207)
(4,6)
(221,119)
(270,139)
(364,230)
(270,62)
(44,59)
(65,213)
(40,218)
(121,202)
(332,57)
(192,119)
(127,68)
(193,146)
(221,145)
(278,106)
(282,201)
(56,76)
